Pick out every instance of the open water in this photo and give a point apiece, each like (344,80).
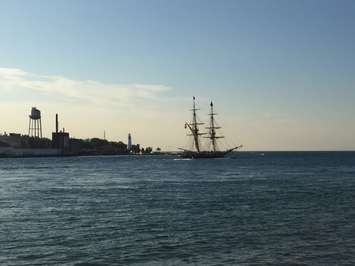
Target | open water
(252,209)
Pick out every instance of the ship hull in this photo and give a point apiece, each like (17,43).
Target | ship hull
(203,154)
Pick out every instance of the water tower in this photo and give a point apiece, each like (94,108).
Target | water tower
(35,123)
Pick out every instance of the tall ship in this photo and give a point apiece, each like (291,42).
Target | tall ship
(197,151)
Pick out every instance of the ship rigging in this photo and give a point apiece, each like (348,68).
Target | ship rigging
(214,151)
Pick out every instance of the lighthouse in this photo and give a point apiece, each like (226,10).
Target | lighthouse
(129,145)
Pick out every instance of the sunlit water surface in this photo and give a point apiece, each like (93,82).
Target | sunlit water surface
(251,209)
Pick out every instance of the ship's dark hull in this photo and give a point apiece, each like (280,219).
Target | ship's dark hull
(203,154)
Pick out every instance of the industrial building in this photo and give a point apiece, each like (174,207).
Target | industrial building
(31,145)
(35,145)
(60,139)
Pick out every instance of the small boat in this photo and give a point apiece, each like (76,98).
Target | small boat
(198,152)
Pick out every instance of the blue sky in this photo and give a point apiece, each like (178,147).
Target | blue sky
(263,62)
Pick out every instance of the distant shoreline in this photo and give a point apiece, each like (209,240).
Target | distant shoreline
(170,153)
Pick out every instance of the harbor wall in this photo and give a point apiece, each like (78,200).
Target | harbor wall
(16,152)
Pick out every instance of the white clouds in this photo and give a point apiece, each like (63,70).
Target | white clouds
(87,107)
(84,91)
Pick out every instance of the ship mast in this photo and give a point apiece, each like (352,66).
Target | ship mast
(194,127)
(212,130)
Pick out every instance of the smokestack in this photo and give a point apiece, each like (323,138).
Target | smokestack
(56,123)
